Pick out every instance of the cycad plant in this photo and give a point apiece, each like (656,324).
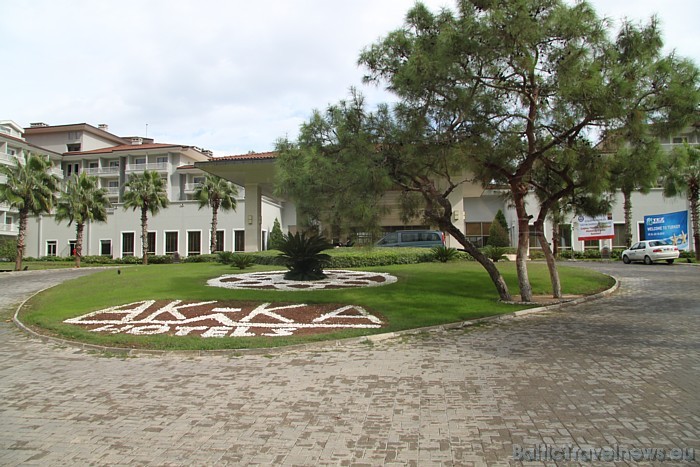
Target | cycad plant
(304,256)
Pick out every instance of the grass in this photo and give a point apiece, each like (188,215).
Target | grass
(426,294)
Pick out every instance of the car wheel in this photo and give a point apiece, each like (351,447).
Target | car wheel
(626,259)
(647,260)
(669,261)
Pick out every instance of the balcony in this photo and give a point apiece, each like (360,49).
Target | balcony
(112,190)
(158,167)
(9,229)
(7,159)
(56,171)
(191,187)
(102,171)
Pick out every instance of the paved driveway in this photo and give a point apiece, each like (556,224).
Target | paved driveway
(622,372)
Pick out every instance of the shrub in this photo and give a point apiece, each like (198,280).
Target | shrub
(304,256)
(225,257)
(201,259)
(444,254)
(128,260)
(8,249)
(276,235)
(495,253)
(97,260)
(498,232)
(242,261)
(160,259)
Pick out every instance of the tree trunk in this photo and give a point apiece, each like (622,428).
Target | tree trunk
(523,242)
(21,236)
(214,224)
(144,234)
(491,269)
(549,256)
(79,228)
(627,207)
(555,238)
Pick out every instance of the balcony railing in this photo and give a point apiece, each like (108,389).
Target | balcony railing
(112,190)
(7,158)
(190,187)
(102,170)
(9,228)
(158,167)
(56,171)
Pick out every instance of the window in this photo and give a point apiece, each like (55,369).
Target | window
(113,163)
(220,246)
(72,169)
(50,247)
(194,243)
(93,165)
(127,243)
(619,240)
(238,240)
(565,236)
(151,243)
(71,247)
(680,139)
(197,180)
(171,242)
(140,160)
(478,232)
(105,247)
(74,135)
(162,160)
(73,147)
(591,244)
(534,240)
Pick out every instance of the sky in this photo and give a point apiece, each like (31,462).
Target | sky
(230,76)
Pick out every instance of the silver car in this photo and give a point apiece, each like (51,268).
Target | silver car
(650,251)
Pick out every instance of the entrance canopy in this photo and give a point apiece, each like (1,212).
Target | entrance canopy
(255,172)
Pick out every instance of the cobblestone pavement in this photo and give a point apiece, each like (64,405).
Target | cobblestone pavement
(622,371)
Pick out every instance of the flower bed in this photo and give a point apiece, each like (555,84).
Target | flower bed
(274,280)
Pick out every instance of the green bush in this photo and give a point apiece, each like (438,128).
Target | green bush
(160,259)
(8,249)
(242,261)
(225,257)
(304,256)
(201,259)
(276,235)
(444,254)
(97,260)
(495,253)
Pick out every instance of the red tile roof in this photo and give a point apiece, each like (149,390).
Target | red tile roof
(129,147)
(249,156)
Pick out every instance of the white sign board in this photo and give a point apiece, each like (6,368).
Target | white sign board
(595,228)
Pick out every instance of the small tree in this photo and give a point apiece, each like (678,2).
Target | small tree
(145,192)
(216,193)
(30,189)
(498,232)
(304,256)
(276,235)
(81,202)
(683,178)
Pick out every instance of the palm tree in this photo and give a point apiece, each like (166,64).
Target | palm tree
(81,202)
(682,177)
(216,193)
(30,189)
(146,192)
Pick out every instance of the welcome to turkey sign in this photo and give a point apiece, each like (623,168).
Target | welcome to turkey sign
(672,226)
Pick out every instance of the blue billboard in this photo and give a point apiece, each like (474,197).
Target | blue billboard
(672,226)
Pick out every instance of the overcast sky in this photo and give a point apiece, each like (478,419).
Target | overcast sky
(227,75)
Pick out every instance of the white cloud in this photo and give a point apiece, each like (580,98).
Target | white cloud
(231,76)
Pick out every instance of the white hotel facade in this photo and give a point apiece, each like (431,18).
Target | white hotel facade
(185,229)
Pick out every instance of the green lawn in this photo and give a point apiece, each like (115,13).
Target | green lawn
(425,294)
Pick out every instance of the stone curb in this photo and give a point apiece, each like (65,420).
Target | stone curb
(324,345)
